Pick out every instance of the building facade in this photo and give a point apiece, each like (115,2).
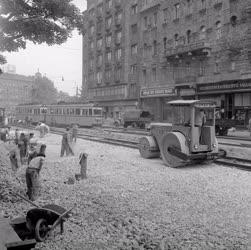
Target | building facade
(106,55)
(171,49)
(15,89)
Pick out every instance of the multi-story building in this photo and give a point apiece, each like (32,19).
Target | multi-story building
(170,49)
(15,89)
(196,49)
(107,51)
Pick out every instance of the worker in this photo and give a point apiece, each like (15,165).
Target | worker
(32,175)
(4,132)
(74,132)
(16,136)
(200,120)
(249,125)
(65,148)
(23,146)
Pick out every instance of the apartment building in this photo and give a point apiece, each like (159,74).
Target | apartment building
(15,89)
(107,51)
(161,50)
(196,49)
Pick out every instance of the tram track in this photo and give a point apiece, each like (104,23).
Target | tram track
(228,161)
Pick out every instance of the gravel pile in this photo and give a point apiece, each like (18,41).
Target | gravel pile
(131,203)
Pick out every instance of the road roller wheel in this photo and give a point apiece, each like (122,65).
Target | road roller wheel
(148,147)
(178,141)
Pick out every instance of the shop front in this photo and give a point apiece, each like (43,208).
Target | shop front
(155,101)
(233,97)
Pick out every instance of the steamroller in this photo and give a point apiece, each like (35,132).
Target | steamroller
(189,138)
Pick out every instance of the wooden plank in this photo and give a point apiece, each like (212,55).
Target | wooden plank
(7,233)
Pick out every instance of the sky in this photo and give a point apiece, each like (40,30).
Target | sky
(56,62)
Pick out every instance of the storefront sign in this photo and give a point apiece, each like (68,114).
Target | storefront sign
(224,86)
(157,92)
(187,92)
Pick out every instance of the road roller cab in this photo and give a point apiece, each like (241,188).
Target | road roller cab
(189,138)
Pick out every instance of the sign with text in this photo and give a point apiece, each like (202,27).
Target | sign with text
(238,85)
(157,92)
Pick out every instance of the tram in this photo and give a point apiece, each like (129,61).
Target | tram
(61,114)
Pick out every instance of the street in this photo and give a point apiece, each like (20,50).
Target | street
(130,202)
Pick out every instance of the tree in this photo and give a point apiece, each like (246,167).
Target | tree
(44,91)
(39,21)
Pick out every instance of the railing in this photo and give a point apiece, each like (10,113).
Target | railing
(149,4)
(181,49)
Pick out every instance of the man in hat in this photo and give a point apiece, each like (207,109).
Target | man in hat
(35,163)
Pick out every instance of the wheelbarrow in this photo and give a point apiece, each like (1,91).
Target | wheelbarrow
(40,221)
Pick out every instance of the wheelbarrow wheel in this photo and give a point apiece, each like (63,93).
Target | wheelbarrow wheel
(41,230)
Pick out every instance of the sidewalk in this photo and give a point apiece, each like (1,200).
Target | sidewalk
(240,133)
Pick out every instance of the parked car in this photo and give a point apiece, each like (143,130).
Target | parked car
(137,118)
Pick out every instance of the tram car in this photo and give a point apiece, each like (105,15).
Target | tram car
(63,114)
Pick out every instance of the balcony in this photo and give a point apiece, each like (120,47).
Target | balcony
(150,4)
(186,80)
(218,5)
(196,49)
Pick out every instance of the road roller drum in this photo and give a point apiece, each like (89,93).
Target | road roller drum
(148,147)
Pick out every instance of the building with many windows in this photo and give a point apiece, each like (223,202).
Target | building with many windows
(171,49)
(15,89)
(109,49)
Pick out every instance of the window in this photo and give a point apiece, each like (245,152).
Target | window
(202,32)
(203,4)
(134,9)
(109,56)
(108,74)
(134,69)
(216,67)
(118,17)
(155,19)
(92,45)
(177,11)
(189,36)
(188,68)
(202,68)
(145,22)
(189,7)
(154,47)
(233,66)
(145,50)
(134,28)
(77,111)
(218,29)
(100,60)
(108,40)
(108,22)
(165,15)
(118,73)
(100,9)
(109,3)
(92,29)
(99,77)
(164,42)
(134,49)
(176,39)
(154,74)
(84,112)
(91,63)
(233,20)
(118,37)
(118,53)
(144,75)
(99,43)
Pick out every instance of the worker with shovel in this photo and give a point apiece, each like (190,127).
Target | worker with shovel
(36,161)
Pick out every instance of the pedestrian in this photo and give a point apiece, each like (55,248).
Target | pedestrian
(65,148)
(249,125)
(23,145)
(74,132)
(32,175)
(4,132)
(16,136)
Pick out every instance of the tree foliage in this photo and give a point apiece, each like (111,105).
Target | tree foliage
(39,21)
(44,91)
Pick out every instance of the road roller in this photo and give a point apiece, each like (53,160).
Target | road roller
(189,137)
